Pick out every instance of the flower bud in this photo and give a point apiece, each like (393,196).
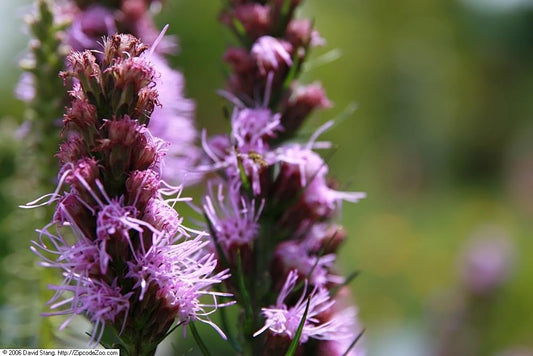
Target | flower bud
(254,18)
(141,187)
(303,101)
(300,33)
(272,54)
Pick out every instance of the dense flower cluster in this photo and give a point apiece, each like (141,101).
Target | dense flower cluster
(89,21)
(128,261)
(275,228)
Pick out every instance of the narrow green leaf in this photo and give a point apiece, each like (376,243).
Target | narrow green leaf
(347,281)
(242,288)
(323,59)
(227,331)
(239,27)
(293,72)
(354,342)
(198,340)
(285,8)
(294,344)
(173,328)
(244,178)
(220,252)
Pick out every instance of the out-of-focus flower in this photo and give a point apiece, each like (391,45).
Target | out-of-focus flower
(173,122)
(486,263)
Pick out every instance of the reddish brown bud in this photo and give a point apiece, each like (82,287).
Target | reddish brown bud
(74,211)
(300,33)
(72,150)
(122,46)
(254,18)
(303,101)
(81,116)
(141,187)
(240,60)
(146,102)
(123,132)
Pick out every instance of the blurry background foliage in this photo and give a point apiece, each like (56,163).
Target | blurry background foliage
(441,140)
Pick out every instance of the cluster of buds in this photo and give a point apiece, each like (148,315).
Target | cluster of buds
(128,262)
(173,120)
(86,23)
(271,215)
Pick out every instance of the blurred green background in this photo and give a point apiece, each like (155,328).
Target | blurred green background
(441,140)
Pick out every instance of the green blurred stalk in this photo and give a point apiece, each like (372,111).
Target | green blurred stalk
(44,113)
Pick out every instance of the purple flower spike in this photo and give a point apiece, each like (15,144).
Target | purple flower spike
(133,266)
(292,236)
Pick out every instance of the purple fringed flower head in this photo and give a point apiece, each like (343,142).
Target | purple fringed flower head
(348,325)
(271,54)
(233,221)
(247,148)
(284,317)
(91,20)
(131,265)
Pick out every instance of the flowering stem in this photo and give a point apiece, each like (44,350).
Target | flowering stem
(46,106)
(247,303)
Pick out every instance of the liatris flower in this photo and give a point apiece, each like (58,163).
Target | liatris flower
(292,237)
(128,261)
(349,327)
(283,320)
